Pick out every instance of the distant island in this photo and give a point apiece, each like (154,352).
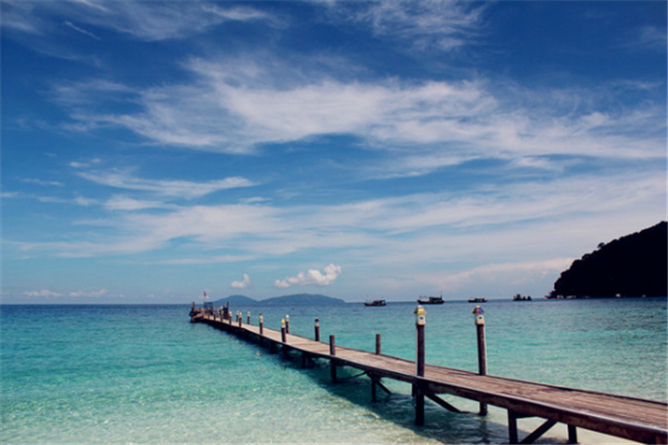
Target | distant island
(285,300)
(635,265)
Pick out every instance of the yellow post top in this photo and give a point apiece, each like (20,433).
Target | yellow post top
(283,323)
(420,316)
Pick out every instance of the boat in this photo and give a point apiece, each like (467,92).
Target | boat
(375,303)
(519,297)
(431,300)
(477,300)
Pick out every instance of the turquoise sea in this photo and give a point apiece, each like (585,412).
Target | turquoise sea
(144,374)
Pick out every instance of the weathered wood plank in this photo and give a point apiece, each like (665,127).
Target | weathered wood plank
(621,416)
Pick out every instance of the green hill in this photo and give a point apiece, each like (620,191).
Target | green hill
(302,299)
(285,300)
(632,266)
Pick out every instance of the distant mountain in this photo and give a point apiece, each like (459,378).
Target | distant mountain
(631,266)
(235,300)
(302,299)
(285,300)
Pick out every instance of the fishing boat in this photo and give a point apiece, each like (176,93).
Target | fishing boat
(431,300)
(375,303)
(477,300)
(519,297)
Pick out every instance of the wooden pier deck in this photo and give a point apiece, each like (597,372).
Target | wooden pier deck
(630,418)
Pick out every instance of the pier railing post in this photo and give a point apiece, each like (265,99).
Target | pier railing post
(248,319)
(317,329)
(261,323)
(377,344)
(420,322)
(287,324)
(479,319)
(283,332)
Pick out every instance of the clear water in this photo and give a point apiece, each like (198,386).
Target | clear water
(144,374)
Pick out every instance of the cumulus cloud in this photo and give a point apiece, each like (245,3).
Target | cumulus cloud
(243,284)
(312,277)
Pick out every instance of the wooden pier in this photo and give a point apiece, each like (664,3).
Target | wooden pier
(626,417)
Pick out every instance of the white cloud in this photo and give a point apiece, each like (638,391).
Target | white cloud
(81,30)
(244,284)
(312,277)
(425,227)
(182,189)
(236,106)
(94,294)
(43,182)
(41,293)
(148,21)
(431,24)
(126,203)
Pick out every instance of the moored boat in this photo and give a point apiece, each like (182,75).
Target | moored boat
(375,303)
(431,300)
(477,300)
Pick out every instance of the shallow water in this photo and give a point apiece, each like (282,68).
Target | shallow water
(144,374)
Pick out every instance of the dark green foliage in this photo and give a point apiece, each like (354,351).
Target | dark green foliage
(631,266)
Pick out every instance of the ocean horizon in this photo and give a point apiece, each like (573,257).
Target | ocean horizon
(145,374)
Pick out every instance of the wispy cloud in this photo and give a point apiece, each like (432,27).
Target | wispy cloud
(427,25)
(312,277)
(81,30)
(43,182)
(152,21)
(237,106)
(425,227)
(131,204)
(41,293)
(94,294)
(174,188)
(650,38)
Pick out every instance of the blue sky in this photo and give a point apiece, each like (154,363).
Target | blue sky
(153,150)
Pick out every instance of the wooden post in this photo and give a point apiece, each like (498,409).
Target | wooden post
(420,322)
(248,319)
(261,321)
(374,379)
(283,332)
(317,329)
(332,352)
(377,344)
(479,318)
(512,427)
(572,434)
(287,324)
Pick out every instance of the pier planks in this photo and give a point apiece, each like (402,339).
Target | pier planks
(627,417)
